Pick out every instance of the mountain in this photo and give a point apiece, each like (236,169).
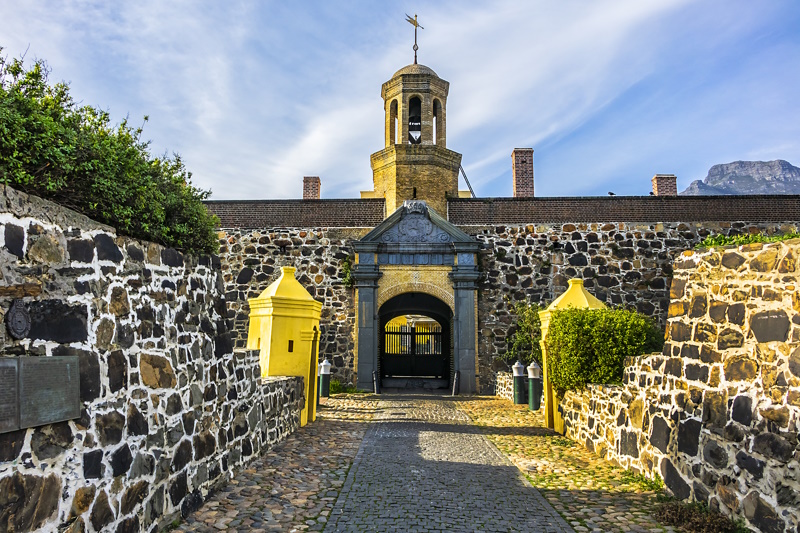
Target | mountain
(748,177)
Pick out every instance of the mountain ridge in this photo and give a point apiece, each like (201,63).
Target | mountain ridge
(748,177)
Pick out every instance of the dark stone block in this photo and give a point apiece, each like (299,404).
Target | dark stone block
(751,464)
(102,515)
(27,501)
(135,253)
(787,496)
(107,249)
(689,436)
(133,497)
(762,515)
(129,525)
(55,320)
(673,480)
(192,502)
(174,404)
(11,444)
(679,332)
(740,368)
(15,240)
(51,440)
(121,460)
(717,311)
(89,369)
(729,338)
(674,367)
(715,410)
(794,362)
(178,489)
(701,493)
(223,345)
(245,275)
(715,454)
(117,371)
(742,410)
(772,446)
(690,351)
(81,250)
(143,465)
(93,464)
(734,433)
(183,454)
(109,427)
(698,306)
(697,373)
(171,257)
(661,433)
(137,423)
(736,313)
(578,260)
(770,326)
(628,444)
(707,355)
(732,260)
(125,335)
(676,288)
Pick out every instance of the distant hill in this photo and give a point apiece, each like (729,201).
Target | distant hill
(748,177)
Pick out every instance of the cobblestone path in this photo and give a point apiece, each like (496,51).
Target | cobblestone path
(422,466)
(293,486)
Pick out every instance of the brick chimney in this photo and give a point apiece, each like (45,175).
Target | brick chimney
(522,171)
(665,185)
(311,185)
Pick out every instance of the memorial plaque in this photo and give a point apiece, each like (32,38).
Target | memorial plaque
(9,398)
(49,390)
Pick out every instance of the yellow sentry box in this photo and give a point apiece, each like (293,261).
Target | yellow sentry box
(284,327)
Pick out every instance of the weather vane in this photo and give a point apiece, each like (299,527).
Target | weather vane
(416,25)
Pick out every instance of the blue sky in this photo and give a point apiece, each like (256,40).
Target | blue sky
(256,94)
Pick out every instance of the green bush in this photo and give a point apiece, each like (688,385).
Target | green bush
(739,240)
(72,155)
(523,344)
(590,345)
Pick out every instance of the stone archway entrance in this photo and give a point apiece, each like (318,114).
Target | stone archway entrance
(415,341)
(416,263)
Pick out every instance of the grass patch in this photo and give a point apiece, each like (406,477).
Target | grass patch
(739,240)
(697,518)
(560,441)
(643,482)
(337,388)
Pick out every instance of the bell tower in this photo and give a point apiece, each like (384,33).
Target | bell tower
(415,163)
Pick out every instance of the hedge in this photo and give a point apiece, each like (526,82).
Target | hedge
(590,345)
(72,155)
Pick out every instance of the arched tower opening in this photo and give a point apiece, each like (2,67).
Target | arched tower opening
(392,124)
(438,123)
(414,120)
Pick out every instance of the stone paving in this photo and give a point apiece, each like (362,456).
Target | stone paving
(591,493)
(424,464)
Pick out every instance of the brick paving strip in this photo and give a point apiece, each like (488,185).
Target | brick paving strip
(591,493)
(422,466)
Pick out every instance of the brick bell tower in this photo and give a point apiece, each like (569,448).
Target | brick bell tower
(415,164)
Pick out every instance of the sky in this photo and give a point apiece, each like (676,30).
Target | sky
(256,94)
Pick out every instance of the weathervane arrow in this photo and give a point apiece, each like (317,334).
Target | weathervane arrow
(414,22)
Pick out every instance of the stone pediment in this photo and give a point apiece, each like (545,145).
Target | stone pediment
(415,223)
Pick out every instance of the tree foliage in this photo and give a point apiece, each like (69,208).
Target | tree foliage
(590,345)
(523,343)
(72,155)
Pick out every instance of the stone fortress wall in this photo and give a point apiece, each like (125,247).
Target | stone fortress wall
(168,410)
(717,414)
(532,246)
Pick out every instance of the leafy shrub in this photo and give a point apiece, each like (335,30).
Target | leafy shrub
(523,344)
(739,240)
(72,155)
(335,387)
(590,345)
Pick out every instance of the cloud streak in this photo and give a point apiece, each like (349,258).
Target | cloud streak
(255,95)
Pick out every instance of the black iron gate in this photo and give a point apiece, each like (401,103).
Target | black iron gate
(413,351)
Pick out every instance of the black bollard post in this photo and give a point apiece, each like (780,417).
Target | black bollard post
(519,383)
(456,382)
(376,384)
(534,386)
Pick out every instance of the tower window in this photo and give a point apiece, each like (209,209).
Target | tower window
(393,123)
(437,122)
(414,121)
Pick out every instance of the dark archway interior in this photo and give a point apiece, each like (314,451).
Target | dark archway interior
(423,366)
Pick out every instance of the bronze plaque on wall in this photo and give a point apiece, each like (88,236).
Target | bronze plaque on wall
(9,397)
(49,390)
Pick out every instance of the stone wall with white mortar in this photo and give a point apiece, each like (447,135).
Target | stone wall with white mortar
(716,415)
(168,410)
